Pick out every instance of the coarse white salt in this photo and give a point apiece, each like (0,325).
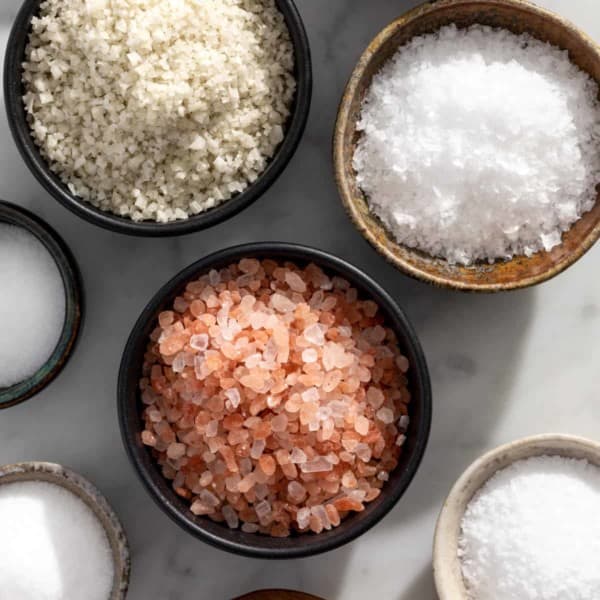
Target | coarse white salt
(32,304)
(53,546)
(479,144)
(533,533)
(155,109)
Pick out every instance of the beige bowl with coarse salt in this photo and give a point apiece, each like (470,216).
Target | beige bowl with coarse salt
(449,582)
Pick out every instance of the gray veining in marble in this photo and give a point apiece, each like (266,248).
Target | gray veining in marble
(502,366)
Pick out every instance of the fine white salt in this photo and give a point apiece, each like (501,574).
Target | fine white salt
(53,547)
(479,144)
(32,304)
(533,533)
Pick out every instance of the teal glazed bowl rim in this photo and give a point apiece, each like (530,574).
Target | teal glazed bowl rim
(19,127)
(69,271)
(250,544)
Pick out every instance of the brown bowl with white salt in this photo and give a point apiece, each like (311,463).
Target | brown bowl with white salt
(466,147)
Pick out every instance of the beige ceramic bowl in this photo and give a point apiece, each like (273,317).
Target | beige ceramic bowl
(83,489)
(446,566)
(518,16)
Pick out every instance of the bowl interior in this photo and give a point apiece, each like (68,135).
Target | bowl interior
(519,17)
(447,568)
(13,91)
(83,489)
(69,271)
(130,408)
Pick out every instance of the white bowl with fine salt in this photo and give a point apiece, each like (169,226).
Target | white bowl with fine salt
(574,459)
(61,539)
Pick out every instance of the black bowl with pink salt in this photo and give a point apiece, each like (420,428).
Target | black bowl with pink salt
(274,400)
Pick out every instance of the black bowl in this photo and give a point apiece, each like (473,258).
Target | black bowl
(13,94)
(69,271)
(257,545)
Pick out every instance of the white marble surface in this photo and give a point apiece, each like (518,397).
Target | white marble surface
(502,366)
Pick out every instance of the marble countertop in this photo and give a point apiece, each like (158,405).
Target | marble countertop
(502,366)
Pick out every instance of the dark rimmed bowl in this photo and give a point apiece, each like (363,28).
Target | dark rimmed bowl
(518,16)
(69,271)
(89,494)
(130,407)
(13,94)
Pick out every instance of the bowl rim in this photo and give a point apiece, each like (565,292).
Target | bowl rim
(12,214)
(129,419)
(446,567)
(66,478)
(38,166)
(342,123)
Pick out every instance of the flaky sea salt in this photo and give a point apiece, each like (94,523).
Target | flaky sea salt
(53,547)
(479,144)
(32,304)
(533,533)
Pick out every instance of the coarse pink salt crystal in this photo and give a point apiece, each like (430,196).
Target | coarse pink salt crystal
(148,438)
(400,440)
(402,363)
(385,415)
(303,518)
(267,464)
(282,304)
(310,355)
(314,335)
(230,516)
(349,480)
(318,465)
(199,508)
(212,429)
(296,491)
(295,282)
(166,318)
(277,425)
(375,397)
(250,266)
(298,456)
(199,342)
(175,451)
(361,425)
(263,511)
(233,395)
(257,449)
(247,483)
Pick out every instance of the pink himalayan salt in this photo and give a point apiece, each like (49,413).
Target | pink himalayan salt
(275,398)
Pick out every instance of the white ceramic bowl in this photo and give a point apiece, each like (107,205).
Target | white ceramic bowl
(96,502)
(446,565)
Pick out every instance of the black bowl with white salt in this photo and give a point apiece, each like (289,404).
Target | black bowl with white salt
(202,106)
(41,304)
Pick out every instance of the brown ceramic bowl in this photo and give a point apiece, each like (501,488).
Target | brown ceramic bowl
(517,16)
(446,564)
(83,489)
